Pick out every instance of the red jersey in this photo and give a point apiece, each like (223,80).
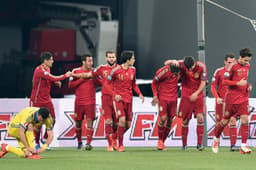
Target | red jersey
(217,81)
(236,94)
(124,80)
(165,84)
(102,73)
(42,81)
(191,80)
(85,89)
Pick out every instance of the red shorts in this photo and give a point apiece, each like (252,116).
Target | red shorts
(48,105)
(87,110)
(123,109)
(167,108)
(231,109)
(108,110)
(187,107)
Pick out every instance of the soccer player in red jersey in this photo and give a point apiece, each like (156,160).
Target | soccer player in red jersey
(108,111)
(85,102)
(123,79)
(219,96)
(236,99)
(165,91)
(40,95)
(194,77)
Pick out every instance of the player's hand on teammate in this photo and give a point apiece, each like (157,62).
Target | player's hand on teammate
(68,74)
(242,82)
(193,97)
(155,101)
(118,98)
(169,62)
(219,100)
(142,98)
(249,88)
(58,83)
(31,150)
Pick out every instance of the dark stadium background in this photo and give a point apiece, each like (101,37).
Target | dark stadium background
(155,29)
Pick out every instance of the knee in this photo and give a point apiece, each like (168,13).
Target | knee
(121,121)
(185,122)
(108,121)
(78,124)
(200,118)
(224,122)
(232,121)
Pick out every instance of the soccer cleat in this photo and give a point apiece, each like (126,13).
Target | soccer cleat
(121,148)
(245,150)
(215,145)
(163,148)
(110,149)
(37,147)
(34,156)
(3,150)
(184,147)
(160,144)
(113,141)
(80,145)
(234,148)
(200,147)
(88,147)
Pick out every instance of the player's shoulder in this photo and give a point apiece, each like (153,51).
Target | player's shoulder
(232,65)
(101,66)
(77,69)
(218,70)
(115,70)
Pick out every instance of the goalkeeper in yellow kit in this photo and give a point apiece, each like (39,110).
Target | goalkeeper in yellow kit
(21,128)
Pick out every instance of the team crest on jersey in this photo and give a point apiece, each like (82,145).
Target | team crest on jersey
(239,72)
(161,108)
(217,116)
(132,77)
(105,73)
(226,113)
(103,112)
(196,75)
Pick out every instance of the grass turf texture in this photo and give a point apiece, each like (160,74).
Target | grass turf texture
(133,158)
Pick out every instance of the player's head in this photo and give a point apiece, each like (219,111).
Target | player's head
(128,57)
(111,57)
(229,58)
(87,61)
(174,68)
(189,62)
(46,59)
(43,114)
(245,56)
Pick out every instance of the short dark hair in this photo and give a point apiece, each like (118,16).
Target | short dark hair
(189,61)
(245,52)
(44,112)
(110,52)
(84,57)
(174,68)
(229,55)
(45,56)
(126,55)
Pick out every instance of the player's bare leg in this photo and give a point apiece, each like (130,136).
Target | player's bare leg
(218,130)
(184,132)
(244,134)
(79,134)
(200,131)
(88,145)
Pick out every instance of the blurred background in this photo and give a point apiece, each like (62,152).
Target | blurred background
(156,30)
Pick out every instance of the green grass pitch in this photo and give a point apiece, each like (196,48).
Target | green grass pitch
(133,158)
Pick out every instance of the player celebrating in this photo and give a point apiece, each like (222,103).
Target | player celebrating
(236,99)
(219,96)
(85,102)
(165,91)
(194,79)
(21,128)
(40,95)
(123,78)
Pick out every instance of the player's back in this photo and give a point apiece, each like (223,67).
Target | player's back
(25,114)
